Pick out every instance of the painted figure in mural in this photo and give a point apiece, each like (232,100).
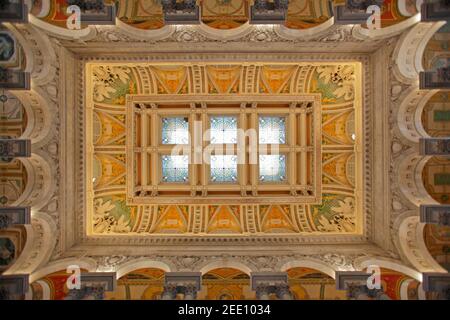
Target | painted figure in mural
(6,251)
(7,48)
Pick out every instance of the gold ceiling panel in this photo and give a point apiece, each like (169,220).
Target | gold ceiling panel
(338,206)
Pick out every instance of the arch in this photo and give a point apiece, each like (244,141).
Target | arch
(136,264)
(410,178)
(411,244)
(39,245)
(226,263)
(386,32)
(309,263)
(434,167)
(87,33)
(437,105)
(55,266)
(40,182)
(437,241)
(228,34)
(409,116)
(39,116)
(313,32)
(17,181)
(410,49)
(38,50)
(387,263)
(145,34)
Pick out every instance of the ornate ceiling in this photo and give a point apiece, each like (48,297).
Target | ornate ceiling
(339,211)
(367,170)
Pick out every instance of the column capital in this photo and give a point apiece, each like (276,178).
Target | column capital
(13,287)
(13,216)
(265,283)
(14,148)
(434,146)
(435,214)
(187,283)
(356,285)
(15,12)
(438,283)
(93,286)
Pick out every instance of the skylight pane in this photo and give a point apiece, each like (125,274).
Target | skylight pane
(223,168)
(272,130)
(223,129)
(175,168)
(175,130)
(272,168)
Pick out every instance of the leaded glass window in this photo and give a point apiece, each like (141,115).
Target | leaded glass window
(175,168)
(272,130)
(223,168)
(175,130)
(272,168)
(223,129)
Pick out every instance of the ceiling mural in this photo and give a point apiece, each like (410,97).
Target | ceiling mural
(13,121)
(436,179)
(141,284)
(436,115)
(310,284)
(339,85)
(224,14)
(226,284)
(304,14)
(141,14)
(437,241)
(437,52)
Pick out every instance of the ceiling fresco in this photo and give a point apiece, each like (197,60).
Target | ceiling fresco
(339,212)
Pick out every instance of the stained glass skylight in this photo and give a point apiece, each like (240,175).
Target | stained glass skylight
(175,130)
(223,129)
(175,168)
(272,168)
(272,130)
(223,168)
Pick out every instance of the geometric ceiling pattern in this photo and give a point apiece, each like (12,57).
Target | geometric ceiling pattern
(339,212)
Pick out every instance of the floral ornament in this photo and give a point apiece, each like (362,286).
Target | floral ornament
(343,219)
(104,79)
(340,76)
(105,222)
